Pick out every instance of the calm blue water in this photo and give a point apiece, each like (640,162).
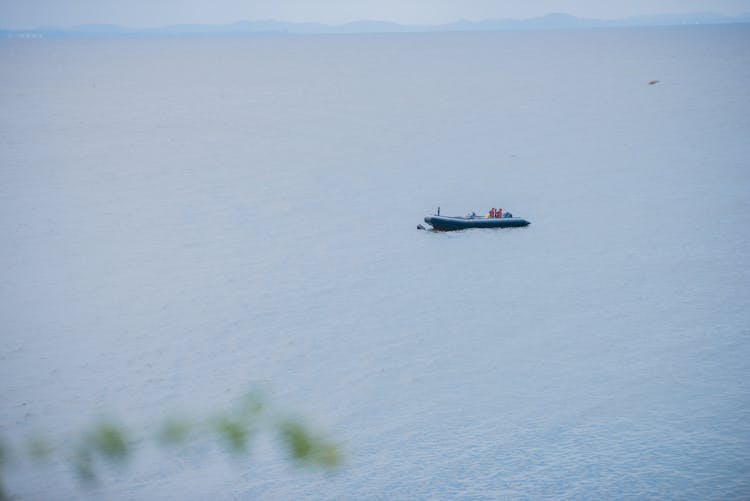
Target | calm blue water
(187,219)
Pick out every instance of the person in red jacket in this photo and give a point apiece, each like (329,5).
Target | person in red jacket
(492,213)
(499,213)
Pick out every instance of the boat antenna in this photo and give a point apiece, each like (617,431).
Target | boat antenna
(438,210)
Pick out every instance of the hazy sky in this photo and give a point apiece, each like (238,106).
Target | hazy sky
(23,14)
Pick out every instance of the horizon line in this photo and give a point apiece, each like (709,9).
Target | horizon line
(552,20)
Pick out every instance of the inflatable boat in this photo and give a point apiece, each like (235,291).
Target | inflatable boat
(452,223)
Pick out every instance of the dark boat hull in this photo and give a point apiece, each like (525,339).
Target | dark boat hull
(444,223)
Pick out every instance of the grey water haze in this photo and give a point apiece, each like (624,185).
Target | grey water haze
(148,14)
(185,219)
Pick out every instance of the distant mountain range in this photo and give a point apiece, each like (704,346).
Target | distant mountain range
(271,27)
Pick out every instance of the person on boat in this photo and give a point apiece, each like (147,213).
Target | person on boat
(491,215)
(499,213)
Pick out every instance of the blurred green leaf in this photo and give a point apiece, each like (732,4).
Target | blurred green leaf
(110,441)
(296,439)
(252,406)
(83,462)
(329,455)
(233,433)
(39,448)
(174,432)
(307,447)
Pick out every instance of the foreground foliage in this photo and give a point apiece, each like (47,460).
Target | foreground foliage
(110,442)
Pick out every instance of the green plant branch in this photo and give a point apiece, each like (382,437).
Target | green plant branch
(234,429)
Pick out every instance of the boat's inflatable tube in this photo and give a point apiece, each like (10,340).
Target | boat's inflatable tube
(445,223)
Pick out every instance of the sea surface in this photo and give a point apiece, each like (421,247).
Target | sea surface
(186,220)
